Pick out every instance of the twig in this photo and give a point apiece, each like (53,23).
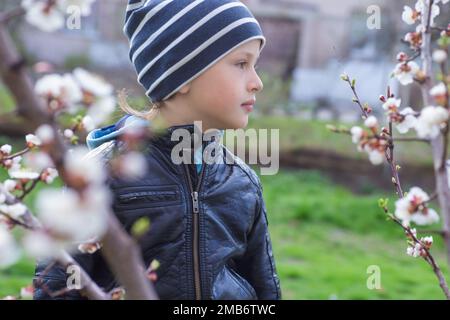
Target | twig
(356,99)
(19,153)
(29,189)
(446,106)
(15,221)
(406,139)
(393,166)
(414,56)
(435,231)
(428,257)
(389,153)
(5,17)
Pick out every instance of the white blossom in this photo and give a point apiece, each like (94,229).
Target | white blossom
(9,185)
(371,122)
(439,56)
(27,292)
(357,133)
(429,123)
(98,97)
(32,140)
(46,17)
(88,123)
(38,244)
(409,121)
(435,10)
(418,249)
(45,133)
(68,133)
(23,173)
(414,251)
(73,217)
(405,72)
(6,149)
(427,240)
(392,104)
(376,157)
(9,252)
(37,161)
(65,92)
(49,175)
(414,231)
(101,110)
(412,208)
(133,165)
(438,90)
(89,247)
(101,103)
(414,38)
(15,211)
(88,169)
(13,164)
(93,84)
(2,198)
(409,16)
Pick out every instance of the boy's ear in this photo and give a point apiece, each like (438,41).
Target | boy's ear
(185,89)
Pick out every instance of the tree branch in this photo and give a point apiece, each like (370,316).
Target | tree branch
(90,289)
(437,144)
(428,258)
(7,16)
(119,247)
(130,271)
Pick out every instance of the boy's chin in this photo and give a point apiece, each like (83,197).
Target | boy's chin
(239,123)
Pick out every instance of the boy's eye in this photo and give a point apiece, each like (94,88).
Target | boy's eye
(244,63)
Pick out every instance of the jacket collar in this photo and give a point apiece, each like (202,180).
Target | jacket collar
(169,137)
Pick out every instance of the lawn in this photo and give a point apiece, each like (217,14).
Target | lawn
(324,239)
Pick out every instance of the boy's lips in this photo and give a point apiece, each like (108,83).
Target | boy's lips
(248,105)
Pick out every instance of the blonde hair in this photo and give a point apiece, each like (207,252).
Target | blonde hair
(147,115)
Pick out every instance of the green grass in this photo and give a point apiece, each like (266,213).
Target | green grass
(298,133)
(324,239)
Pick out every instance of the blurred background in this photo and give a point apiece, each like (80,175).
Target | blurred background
(325,224)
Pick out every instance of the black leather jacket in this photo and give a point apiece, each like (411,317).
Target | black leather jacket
(209,231)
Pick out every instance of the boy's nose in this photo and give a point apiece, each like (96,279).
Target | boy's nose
(256,85)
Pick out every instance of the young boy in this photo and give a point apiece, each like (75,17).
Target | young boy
(209,228)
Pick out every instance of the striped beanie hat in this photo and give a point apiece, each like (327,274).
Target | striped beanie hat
(174,41)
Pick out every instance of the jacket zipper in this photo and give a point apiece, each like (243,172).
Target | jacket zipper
(195,227)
